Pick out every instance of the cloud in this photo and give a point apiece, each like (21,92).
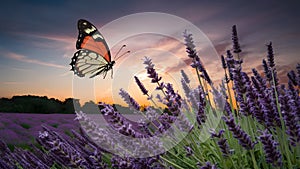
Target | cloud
(25,59)
(11,83)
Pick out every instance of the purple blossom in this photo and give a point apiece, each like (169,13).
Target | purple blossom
(272,153)
(189,43)
(222,142)
(261,82)
(189,151)
(129,100)
(185,77)
(235,40)
(61,150)
(192,53)
(230,63)
(289,111)
(224,65)
(201,116)
(141,86)
(172,100)
(298,72)
(270,55)
(292,77)
(238,133)
(267,71)
(151,71)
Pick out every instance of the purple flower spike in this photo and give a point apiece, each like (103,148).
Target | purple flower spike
(189,43)
(289,109)
(151,71)
(222,142)
(270,55)
(292,77)
(141,86)
(235,40)
(129,100)
(238,133)
(185,77)
(272,153)
(224,65)
(267,70)
(298,72)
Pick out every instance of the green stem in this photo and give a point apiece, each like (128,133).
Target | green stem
(253,160)
(282,135)
(172,163)
(179,159)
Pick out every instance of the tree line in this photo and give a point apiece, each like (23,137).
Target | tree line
(37,104)
(44,105)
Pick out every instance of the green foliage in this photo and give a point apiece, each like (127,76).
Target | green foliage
(25,125)
(55,125)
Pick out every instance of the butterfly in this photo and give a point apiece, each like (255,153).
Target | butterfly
(93,56)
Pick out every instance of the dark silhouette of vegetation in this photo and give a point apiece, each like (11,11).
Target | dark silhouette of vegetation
(44,105)
(38,104)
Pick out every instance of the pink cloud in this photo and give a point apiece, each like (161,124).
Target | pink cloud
(11,83)
(25,59)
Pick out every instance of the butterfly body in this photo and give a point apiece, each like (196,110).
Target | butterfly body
(93,56)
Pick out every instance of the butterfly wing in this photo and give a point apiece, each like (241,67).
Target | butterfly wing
(86,62)
(93,55)
(90,38)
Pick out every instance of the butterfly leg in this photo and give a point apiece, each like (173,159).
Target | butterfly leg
(105,73)
(112,72)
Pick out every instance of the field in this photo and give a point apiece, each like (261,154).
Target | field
(22,128)
(252,120)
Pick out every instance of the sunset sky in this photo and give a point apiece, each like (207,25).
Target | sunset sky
(38,40)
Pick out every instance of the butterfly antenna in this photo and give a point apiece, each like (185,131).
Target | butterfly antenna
(119,51)
(122,55)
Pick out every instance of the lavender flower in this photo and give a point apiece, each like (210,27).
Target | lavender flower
(151,71)
(206,77)
(192,53)
(270,55)
(289,111)
(292,77)
(201,116)
(271,66)
(267,71)
(235,40)
(261,82)
(222,142)
(61,150)
(185,77)
(141,86)
(224,65)
(189,43)
(230,63)
(238,133)
(189,151)
(272,154)
(129,100)
(267,105)
(298,72)
(173,100)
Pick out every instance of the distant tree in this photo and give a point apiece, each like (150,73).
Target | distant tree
(90,107)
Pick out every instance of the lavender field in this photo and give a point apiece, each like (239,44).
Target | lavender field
(22,128)
(258,127)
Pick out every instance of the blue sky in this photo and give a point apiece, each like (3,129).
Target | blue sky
(38,37)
